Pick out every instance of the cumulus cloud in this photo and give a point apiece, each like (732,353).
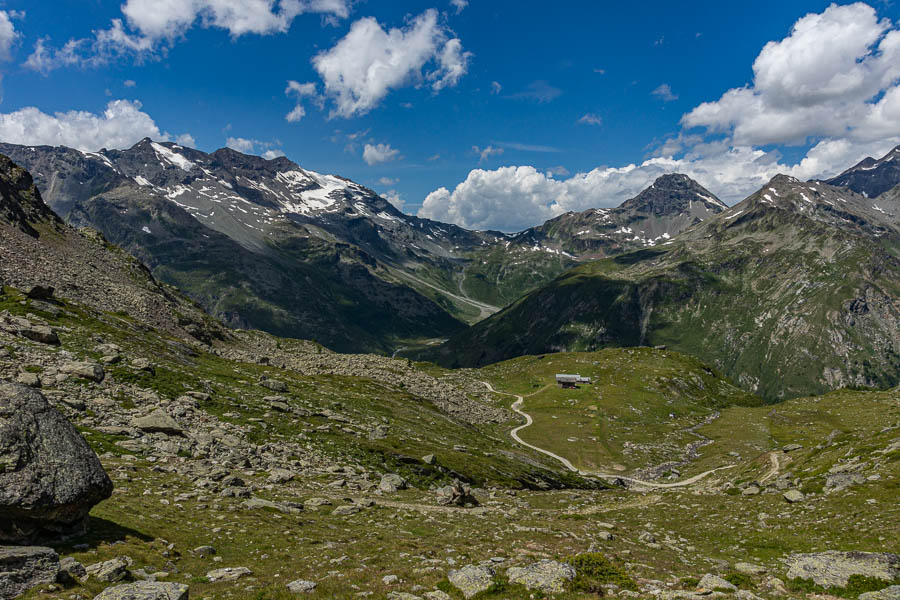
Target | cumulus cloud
(835,76)
(121,125)
(379,153)
(591,119)
(152,24)
(496,88)
(831,85)
(241,144)
(369,62)
(518,197)
(8,35)
(664,93)
(272,154)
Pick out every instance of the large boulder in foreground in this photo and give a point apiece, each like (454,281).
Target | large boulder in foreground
(49,476)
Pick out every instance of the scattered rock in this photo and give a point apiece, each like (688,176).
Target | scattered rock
(390,579)
(833,568)
(436,595)
(888,593)
(343,511)
(794,496)
(302,586)
(429,459)
(204,551)
(711,583)
(49,476)
(391,482)
(158,421)
(274,385)
(749,569)
(284,507)
(548,576)
(29,379)
(791,448)
(85,370)
(228,574)
(109,571)
(471,579)
(71,568)
(23,567)
(145,590)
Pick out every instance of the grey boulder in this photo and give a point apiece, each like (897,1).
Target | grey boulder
(158,421)
(834,569)
(145,590)
(471,579)
(85,370)
(391,483)
(888,593)
(548,576)
(49,476)
(23,567)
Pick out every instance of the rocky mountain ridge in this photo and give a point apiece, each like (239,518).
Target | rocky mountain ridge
(871,177)
(792,291)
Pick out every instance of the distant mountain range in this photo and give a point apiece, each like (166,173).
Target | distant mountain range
(267,244)
(792,291)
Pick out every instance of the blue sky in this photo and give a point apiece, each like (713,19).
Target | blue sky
(500,113)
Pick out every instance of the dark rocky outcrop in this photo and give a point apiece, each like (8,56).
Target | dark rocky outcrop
(49,477)
(23,567)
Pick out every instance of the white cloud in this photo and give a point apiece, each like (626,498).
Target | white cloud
(835,76)
(186,139)
(155,24)
(664,93)
(241,144)
(296,114)
(515,198)
(486,153)
(496,88)
(459,5)
(591,119)
(379,153)
(300,91)
(129,83)
(171,18)
(369,62)
(831,84)
(8,35)
(121,125)
(394,198)
(257,147)
(386,181)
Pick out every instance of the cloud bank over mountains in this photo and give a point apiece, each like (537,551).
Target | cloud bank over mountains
(832,83)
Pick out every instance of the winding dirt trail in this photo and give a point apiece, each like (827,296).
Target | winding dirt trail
(514,433)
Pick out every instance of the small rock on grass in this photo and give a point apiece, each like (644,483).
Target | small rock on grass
(145,590)
(302,586)
(471,579)
(228,574)
(548,576)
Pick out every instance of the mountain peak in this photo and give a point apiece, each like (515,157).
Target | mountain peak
(673,193)
(871,177)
